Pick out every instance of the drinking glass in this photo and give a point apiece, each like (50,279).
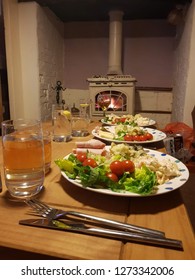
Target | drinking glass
(47,149)
(23,156)
(61,121)
(104,100)
(80,126)
(84,108)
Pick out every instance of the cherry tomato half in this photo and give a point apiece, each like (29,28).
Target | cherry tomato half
(122,120)
(128,166)
(143,137)
(117,120)
(136,137)
(117,168)
(112,177)
(149,136)
(90,162)
(104,153)
(128,137)
(81,156)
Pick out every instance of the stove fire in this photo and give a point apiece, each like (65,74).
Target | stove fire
(118,101)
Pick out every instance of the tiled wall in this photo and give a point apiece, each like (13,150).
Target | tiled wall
(155,103)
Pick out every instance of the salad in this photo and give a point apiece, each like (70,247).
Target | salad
(121,168)
(133,120)
(127,133)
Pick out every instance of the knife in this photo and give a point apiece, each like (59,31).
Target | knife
(121,235)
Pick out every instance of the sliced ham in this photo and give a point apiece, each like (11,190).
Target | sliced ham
(91,144)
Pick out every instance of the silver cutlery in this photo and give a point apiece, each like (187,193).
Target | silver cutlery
(44,210)
(102,232)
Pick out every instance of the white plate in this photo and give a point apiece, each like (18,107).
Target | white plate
(150,123)
(157,136)
(171,185)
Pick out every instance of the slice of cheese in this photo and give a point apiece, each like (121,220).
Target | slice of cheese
(105,134)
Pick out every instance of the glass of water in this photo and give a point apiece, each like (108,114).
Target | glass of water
(61,122)
(23,157)
(84,108)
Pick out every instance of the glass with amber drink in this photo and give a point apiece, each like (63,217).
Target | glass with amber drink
(47,149)
(23,157)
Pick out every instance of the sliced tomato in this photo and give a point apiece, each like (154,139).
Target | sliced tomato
(117,120)
(112,177)
(81,156)
(128,166)
(143,137)
(136,137)
(90,162)
(117,168)
(104,153)
(122,120)
(128,137)
(149,136)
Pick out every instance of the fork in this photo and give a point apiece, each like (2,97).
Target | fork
(44,210)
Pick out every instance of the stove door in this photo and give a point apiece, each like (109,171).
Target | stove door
(118,101)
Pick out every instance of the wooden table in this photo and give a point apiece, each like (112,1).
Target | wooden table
(163,212)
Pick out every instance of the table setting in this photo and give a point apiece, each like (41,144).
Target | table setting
(116,220)
(117,230)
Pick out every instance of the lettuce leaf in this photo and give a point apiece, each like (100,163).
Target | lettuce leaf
(142,181)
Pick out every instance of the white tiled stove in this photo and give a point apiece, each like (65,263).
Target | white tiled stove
(120,87)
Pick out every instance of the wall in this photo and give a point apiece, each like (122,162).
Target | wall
(154,103)
(2,45)
(147,52)
(12,40)
(22,53)
(184,82)
(29,57)
(147,55)
(34,46)
(50,58)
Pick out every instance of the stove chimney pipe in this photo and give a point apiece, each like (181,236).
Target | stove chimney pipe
(115,43)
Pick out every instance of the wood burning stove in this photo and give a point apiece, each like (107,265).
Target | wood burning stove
(120,87)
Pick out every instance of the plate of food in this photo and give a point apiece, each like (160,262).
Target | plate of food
(128,134)
(123,170)
(133,120)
